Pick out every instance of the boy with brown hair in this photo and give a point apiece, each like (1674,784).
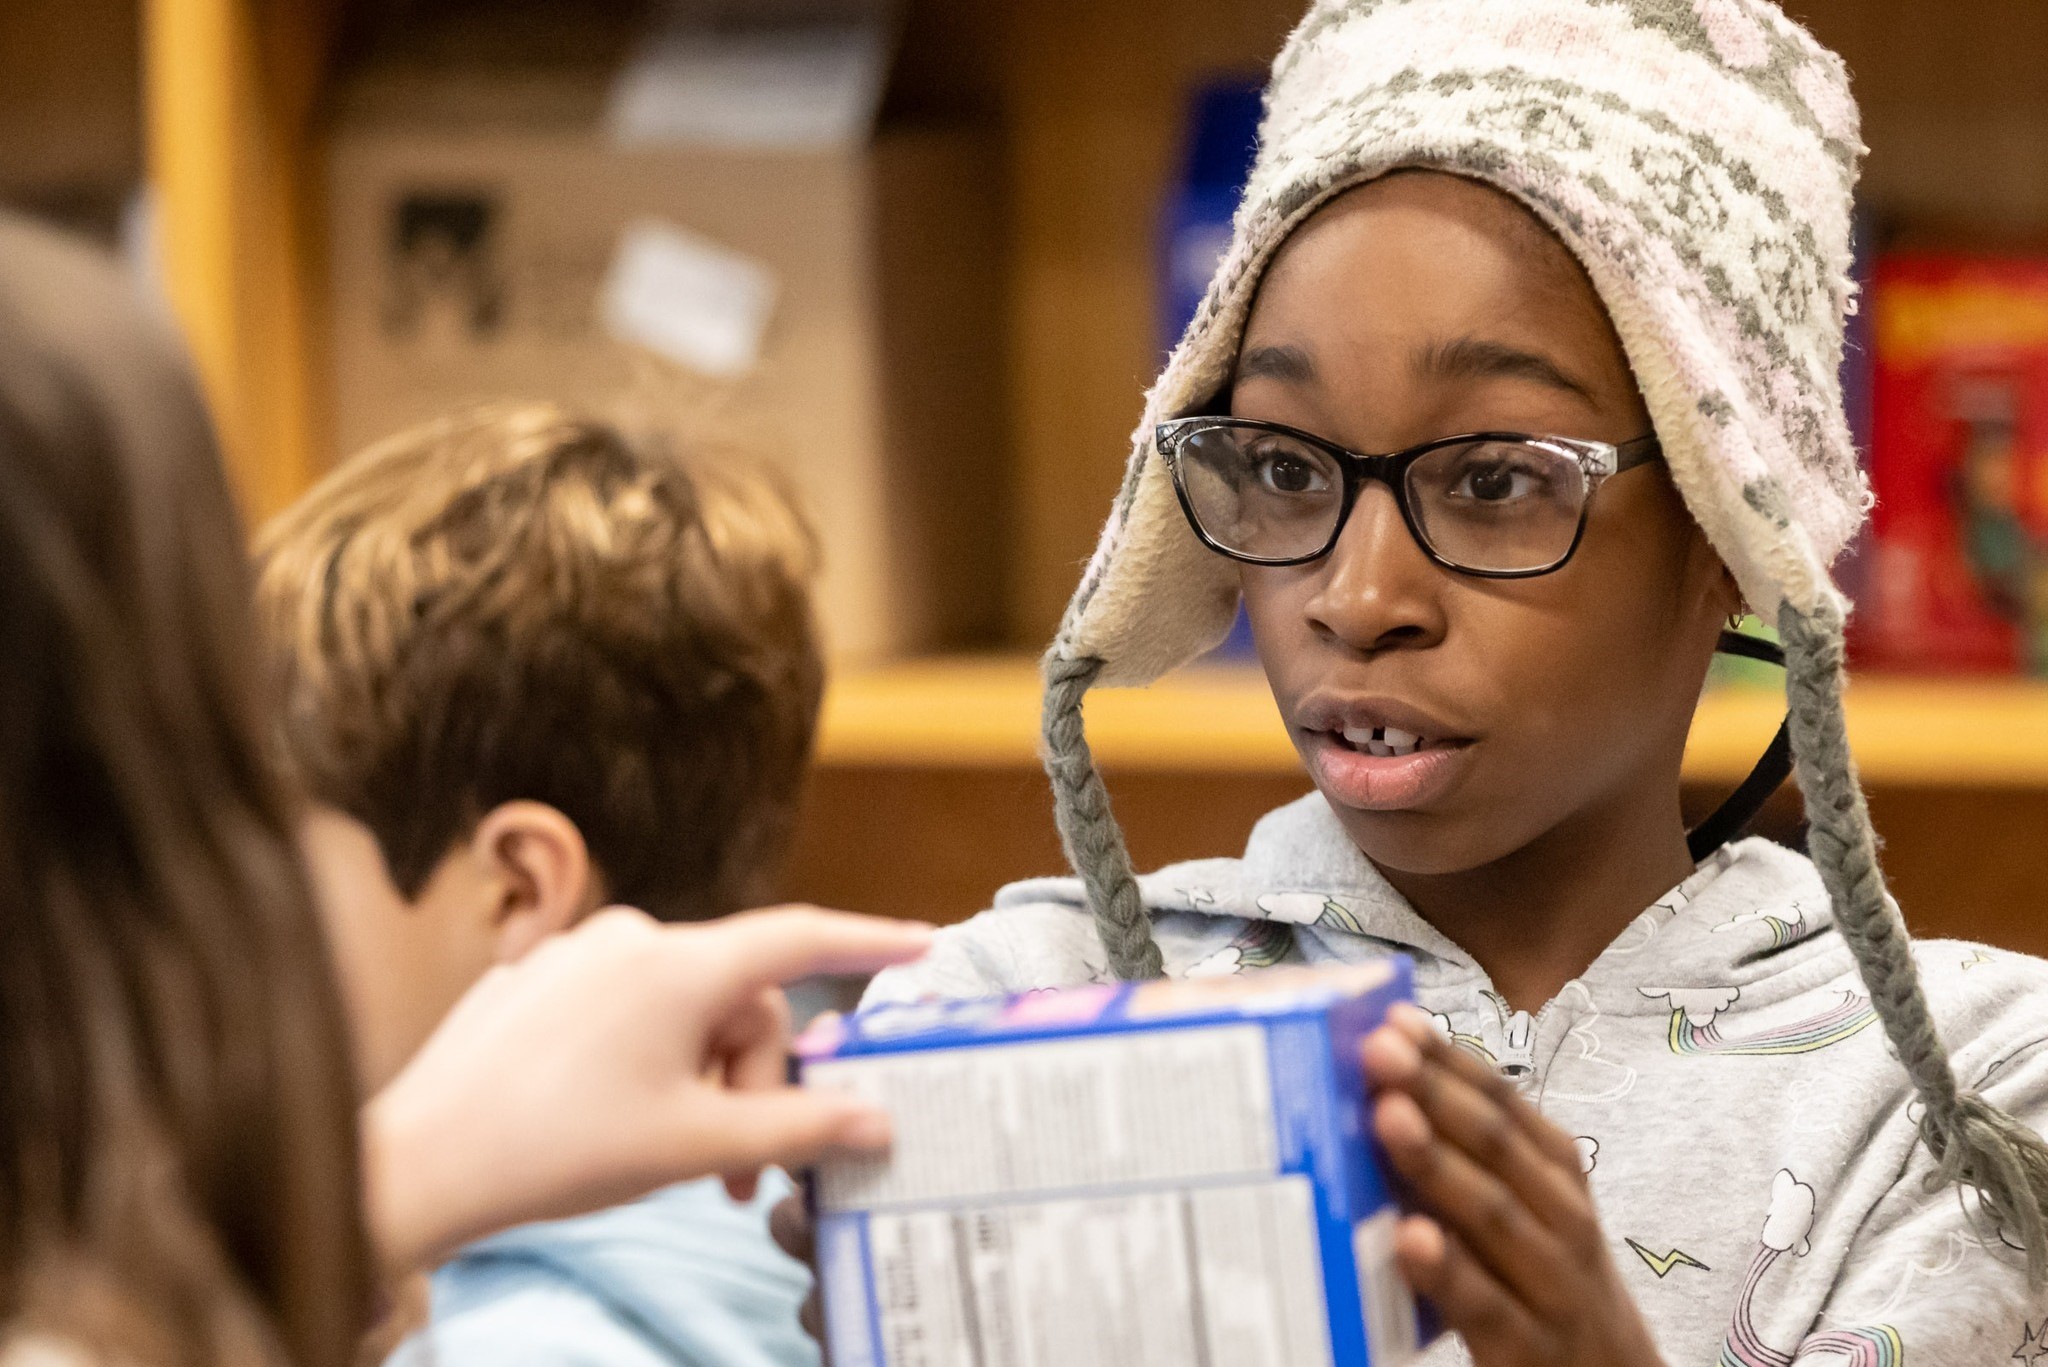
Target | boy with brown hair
(528,668)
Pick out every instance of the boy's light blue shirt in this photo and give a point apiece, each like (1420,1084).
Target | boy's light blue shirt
(684,1278)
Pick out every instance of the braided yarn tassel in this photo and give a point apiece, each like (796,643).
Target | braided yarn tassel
(1093,841)
(1973,1142)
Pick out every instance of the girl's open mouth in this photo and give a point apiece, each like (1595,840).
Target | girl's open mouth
(1382,768)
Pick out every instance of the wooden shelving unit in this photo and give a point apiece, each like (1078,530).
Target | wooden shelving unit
(983,713)
(927,794)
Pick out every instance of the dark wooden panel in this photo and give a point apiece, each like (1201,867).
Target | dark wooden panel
(1968,864)
(937,843)
(70,109)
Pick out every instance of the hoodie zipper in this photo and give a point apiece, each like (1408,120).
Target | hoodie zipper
(1517,1044)
(1516,1056)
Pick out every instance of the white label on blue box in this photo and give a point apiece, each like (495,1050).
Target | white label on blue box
(1159,1175)
(1390,1328)
(1058,1115)
(1165,1278)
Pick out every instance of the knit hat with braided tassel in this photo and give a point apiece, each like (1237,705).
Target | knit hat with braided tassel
(1698,157)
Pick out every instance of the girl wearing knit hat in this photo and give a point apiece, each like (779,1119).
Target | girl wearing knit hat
(1518,378)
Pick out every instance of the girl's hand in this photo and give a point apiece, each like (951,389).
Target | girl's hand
(612,1060)
(1510,1248)
(790,1225)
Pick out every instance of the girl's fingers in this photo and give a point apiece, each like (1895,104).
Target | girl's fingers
(1439,1265)
(1476,1072)
(1472,1203)
(1478,1122)
(789,1224)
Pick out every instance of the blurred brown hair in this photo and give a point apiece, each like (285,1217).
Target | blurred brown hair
(178,1179)
(518,602)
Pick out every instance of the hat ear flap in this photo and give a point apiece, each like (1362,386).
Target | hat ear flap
(1094,842)
(1973,1141)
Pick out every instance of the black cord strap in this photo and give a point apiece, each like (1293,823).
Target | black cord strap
(1732,817)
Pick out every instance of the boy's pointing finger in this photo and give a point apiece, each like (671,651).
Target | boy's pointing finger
(788,1127)
(782,944)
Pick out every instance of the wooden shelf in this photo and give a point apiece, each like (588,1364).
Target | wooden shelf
(983,712)
(230,88)
(927,799)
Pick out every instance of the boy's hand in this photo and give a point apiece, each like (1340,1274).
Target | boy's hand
(614,1059)
(1510,1249)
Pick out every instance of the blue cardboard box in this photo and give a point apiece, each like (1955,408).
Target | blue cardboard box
(1172,1173)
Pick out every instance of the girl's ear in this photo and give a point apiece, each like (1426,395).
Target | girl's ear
(540,869)
(1720,596)
(1731,595)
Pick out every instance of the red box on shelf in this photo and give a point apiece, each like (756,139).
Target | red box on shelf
(1958,578)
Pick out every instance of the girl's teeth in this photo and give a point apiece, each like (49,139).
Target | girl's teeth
(1385,742)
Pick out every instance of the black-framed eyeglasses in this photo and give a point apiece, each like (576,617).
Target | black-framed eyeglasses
(1501,505)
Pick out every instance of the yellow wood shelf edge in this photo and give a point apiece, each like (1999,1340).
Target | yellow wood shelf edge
(229,85)
(983,712)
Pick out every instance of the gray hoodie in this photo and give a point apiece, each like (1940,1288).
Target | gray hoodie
(1749,1139)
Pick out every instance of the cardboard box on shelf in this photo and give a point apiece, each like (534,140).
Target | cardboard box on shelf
(711,229)
(1957,577)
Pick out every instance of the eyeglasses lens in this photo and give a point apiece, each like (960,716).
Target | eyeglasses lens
(1499,506)
(1261,494)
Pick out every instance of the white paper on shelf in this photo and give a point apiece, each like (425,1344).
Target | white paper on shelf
(808,86)
(688,298)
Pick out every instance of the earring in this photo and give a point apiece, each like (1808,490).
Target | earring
(1738,617)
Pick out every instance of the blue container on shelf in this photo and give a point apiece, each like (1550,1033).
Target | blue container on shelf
(1223,134)
(1852,571)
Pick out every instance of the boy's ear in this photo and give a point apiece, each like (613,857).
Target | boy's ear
(541,874)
